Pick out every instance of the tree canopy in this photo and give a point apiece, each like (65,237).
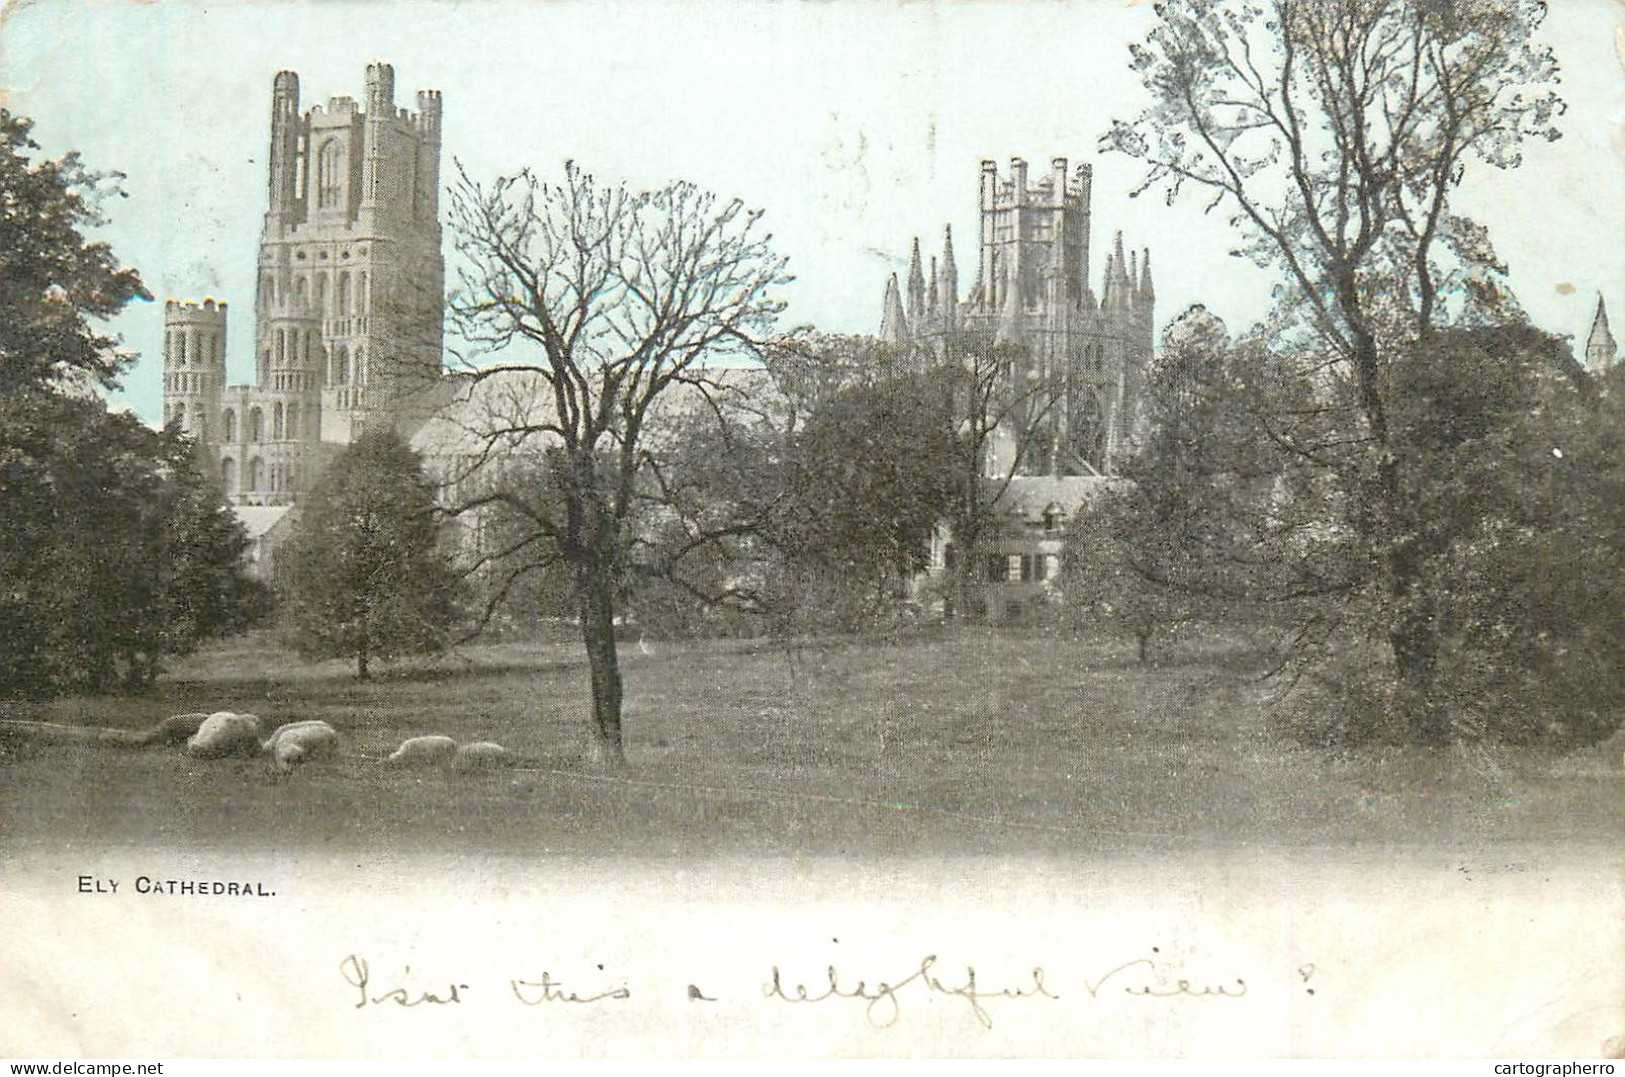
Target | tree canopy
(364,575)
(54,281)
(1336,132)
(116,548)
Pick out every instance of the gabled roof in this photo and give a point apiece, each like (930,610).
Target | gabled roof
(1033,495)
(259,519)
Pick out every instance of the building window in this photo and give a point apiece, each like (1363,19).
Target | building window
(293,422)
(344,295)
(276,424)
(1012,567)
(231,425)
(228,474)
(256,474)
(256,426)
(329,174)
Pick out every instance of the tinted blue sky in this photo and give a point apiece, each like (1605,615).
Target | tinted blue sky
(856,125)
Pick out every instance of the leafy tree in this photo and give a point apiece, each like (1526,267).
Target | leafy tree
(364,575)
(807,503)
(873,476)
(53,281)
(115,549)
(1336,132)
(607,300)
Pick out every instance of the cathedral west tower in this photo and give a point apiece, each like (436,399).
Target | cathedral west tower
(347,311)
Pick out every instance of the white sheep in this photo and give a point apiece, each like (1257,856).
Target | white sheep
(225,733)
(481,755)
(422,751)
(300,742)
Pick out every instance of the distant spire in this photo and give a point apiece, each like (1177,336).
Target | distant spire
(893,325)
(1600,346)
(931,293)
(916,283)
(1147,292)
(1120,284)
(1107,281)
(948,278)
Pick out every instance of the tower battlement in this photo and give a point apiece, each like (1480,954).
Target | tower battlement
(193,312)
(1055,189)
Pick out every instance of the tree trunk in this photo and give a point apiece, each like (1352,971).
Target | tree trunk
(597,607)
(361,656)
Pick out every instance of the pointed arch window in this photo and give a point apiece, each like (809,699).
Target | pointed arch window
(256,425)
(228,474)
(329,173)
(231,425)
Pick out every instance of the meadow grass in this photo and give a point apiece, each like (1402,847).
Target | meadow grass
(966,741)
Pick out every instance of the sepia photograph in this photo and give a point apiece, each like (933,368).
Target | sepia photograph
(707,528)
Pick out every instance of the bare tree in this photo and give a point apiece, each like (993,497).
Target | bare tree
(603,300)
(1336,131)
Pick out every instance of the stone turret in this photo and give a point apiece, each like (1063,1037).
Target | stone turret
(194,365)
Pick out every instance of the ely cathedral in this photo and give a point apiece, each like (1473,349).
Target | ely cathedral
(347,316)
(348,309)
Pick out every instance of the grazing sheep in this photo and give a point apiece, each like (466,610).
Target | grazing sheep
(225,733)
(422,751)
(481,755)
(175,729)
(172,730)
(300,742)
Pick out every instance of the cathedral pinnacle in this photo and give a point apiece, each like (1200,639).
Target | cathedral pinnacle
(894,325)
(1600,346)
(916,283)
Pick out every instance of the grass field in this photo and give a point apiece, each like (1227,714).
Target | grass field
(977,742)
